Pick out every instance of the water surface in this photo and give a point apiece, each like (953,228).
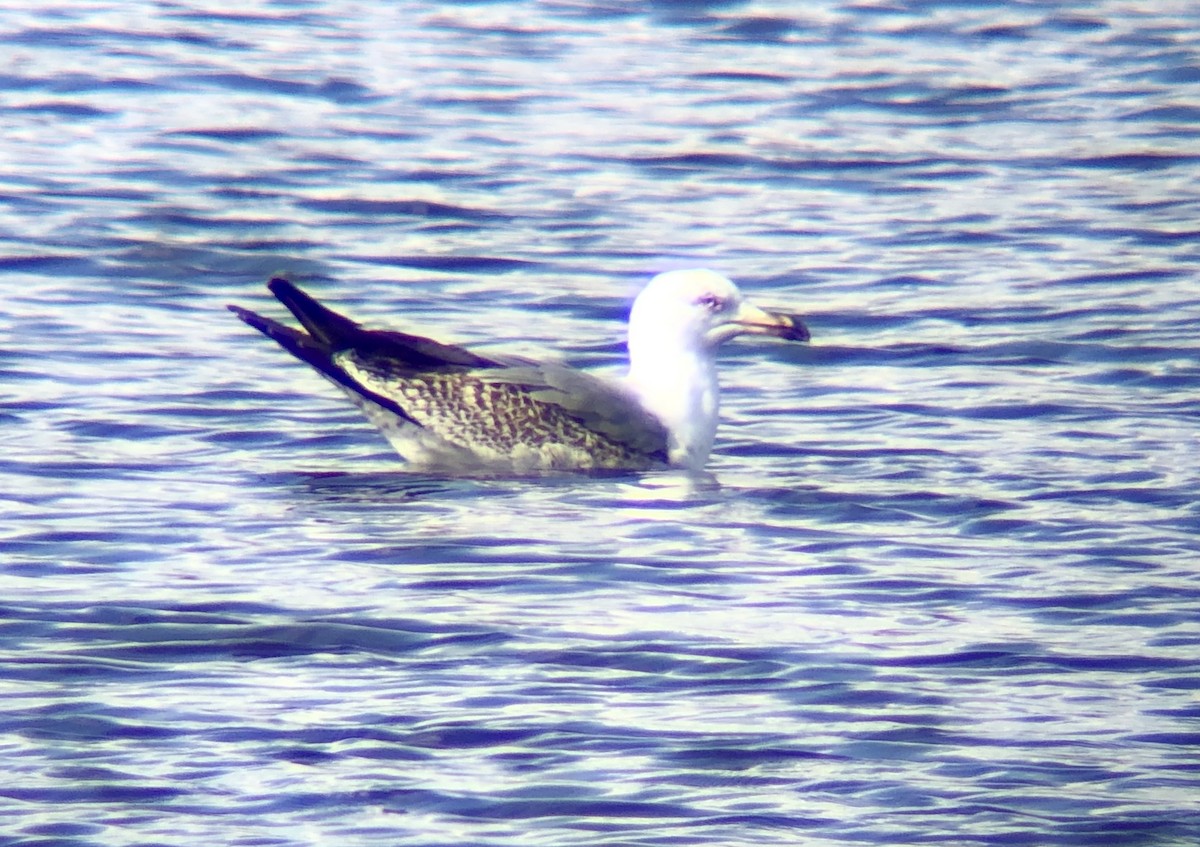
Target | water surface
(940,588)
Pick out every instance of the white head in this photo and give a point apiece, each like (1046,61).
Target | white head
(676,324)
(693,310)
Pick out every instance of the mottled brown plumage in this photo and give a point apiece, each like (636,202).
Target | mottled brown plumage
(442,406)
(485,412)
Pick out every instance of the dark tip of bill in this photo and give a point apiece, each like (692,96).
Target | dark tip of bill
(798,332)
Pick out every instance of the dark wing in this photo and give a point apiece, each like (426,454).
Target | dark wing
(340,333)
(329,333)
(474,402)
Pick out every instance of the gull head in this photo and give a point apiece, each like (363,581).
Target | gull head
(676,324)
(698,310)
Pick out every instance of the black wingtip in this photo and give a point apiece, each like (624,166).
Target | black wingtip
(244,314)
(254,319)
(327,333)
(321,322)
(799,330)
(282,287)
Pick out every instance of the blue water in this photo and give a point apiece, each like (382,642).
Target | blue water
(942,586)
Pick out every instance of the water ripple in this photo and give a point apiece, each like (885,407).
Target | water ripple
(939,586)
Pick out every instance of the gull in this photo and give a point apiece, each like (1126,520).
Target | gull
(443,407)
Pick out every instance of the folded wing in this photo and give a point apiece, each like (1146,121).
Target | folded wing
(439,404)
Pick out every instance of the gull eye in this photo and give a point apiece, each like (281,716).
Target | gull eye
(711,302)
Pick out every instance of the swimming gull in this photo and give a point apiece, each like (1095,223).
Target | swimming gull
(444,407)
